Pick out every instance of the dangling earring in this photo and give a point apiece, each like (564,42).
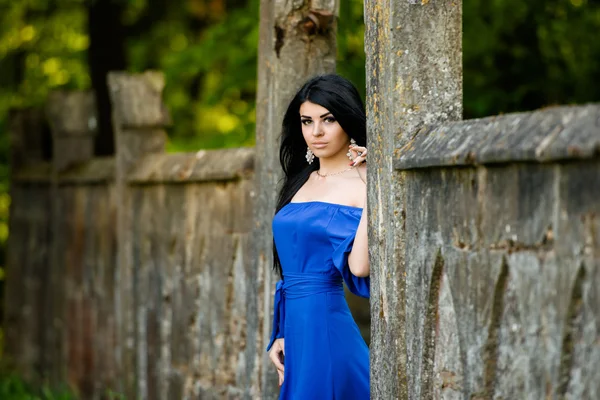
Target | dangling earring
(349,153)
(310,156)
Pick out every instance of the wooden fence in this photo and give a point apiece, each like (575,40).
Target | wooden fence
(130,273)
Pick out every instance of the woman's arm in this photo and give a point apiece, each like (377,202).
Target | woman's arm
(358,259)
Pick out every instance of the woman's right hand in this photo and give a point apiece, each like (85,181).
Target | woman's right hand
(276,354)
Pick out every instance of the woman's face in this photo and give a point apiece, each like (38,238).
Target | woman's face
(321,131)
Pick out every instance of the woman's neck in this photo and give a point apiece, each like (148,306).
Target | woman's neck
(334,164)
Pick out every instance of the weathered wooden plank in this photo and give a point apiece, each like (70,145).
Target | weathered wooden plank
(102,262)
(40,172)
(205,165)
(99,170)
(551,134)
(26,295)
(29,138)
(191,263)
(197,339)
(72,119)
(138,100)
(79,313)
(139,118)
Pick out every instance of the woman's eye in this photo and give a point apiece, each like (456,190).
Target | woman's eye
(306,121)
(330,120)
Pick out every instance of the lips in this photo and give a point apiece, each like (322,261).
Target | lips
(319,145)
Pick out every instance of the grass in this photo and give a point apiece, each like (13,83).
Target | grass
(13,387)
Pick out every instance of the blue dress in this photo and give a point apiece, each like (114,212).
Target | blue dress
(325,355)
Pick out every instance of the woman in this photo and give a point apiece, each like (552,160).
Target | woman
(320,241)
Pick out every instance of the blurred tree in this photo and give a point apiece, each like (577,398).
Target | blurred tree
(526,55)
(351,39)
(106,53)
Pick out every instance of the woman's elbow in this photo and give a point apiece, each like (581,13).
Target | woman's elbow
(360,271)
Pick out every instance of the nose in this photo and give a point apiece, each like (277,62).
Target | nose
(317,130)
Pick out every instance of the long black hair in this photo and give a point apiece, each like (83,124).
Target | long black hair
(339,96)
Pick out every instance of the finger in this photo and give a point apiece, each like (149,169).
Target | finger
(275,359)
(277,363)
(358,151)
(281,349)
(358,160)
(280,377)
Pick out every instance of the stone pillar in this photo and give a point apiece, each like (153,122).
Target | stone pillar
(414,77)
(72,118)
(297,41)
(139,120)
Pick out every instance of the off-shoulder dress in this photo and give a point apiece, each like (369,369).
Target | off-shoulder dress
(325,356)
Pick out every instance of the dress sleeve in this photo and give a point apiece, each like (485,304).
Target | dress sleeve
(360,286)
(278,315)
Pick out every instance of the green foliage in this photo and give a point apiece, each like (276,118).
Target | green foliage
(351,43)
(14,388)
(525,55)
(43,46)
(211,79)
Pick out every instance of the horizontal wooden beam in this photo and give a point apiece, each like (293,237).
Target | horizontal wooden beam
(549,134)
(202,166)
(205,165)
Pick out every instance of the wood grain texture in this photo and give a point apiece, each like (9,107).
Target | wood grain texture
(182,331)
(29,138)
(73,121)
(204,165)
(139,118)
(190,287)
(26,273)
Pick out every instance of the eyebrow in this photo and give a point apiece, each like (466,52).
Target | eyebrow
(320,116)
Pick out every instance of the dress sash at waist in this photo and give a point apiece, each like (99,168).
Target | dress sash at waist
(296,285)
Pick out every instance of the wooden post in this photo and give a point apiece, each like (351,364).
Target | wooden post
(72,118)
(139,119)
(414,77)
(297,41)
